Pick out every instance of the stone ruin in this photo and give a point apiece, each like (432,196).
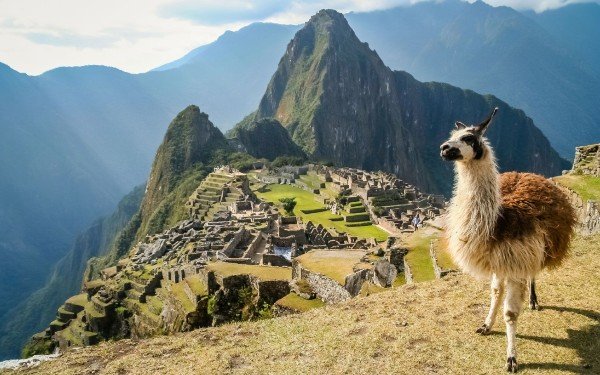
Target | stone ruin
(587,160)
(391,202)
(228,224)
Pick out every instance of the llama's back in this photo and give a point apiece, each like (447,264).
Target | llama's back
(531,202)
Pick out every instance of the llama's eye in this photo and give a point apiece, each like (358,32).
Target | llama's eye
(468,139)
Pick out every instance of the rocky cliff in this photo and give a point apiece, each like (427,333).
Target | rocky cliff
(340,103)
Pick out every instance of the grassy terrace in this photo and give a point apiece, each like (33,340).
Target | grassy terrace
(79,300)
(312,180)
(588,187)
(306,201)
(295,302)
(197,285)
(177,290)
(418,257)
(265,273)
(333,264)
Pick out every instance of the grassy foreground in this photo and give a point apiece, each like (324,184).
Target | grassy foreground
(414,329)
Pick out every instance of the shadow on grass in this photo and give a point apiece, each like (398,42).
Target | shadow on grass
(585,341)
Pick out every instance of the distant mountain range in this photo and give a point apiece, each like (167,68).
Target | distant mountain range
(78,139)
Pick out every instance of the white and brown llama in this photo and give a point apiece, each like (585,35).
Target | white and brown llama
(506,227)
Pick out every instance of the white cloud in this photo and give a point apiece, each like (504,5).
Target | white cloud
(138,35)
(36,36)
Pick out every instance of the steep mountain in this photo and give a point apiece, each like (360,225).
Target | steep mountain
(190,143)
(501,51)
(35,312)
(341,103)
(265,138)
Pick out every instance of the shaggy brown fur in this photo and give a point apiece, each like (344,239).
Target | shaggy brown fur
(530,201)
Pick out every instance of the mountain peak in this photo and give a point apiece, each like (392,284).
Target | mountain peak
(328,15)
(330,22)
(191,140)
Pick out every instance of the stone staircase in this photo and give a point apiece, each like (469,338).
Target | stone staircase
(212,190)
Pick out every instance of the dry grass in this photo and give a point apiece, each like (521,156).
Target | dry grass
(415,329)
(335,264)
(264,273)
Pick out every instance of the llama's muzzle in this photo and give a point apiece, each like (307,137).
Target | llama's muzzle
(449,153)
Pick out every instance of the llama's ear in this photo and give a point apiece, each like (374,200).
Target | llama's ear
(459,125)
(482,127)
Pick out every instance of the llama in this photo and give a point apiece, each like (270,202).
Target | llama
(506,227)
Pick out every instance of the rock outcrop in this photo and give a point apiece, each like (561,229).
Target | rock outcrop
(265,138)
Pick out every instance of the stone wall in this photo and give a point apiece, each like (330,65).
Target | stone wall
(588,212)
(437,270)
(231,245)
(407,272)
(587,160)
(325,288)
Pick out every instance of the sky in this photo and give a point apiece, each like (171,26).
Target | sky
(138,35)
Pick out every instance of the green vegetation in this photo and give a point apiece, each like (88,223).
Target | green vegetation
(179,293)
(418,257)
(281,161)
(288,204)
(369,288)
(37,346)
(333,264)
(197,285)
(312,180)
(264,273)
(587,187)
(266,138)
(78,300)
(387,199)
(297,303)
(306,201)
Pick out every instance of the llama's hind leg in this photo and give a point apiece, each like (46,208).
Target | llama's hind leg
(533,302)
(497,291)
(513,303)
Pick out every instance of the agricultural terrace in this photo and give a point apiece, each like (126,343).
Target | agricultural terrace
(306,202)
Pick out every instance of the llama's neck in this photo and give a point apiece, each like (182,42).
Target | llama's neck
(475,206)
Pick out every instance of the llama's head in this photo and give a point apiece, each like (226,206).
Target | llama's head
(467,143)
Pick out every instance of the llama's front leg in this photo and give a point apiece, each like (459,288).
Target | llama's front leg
(497,291)
(515,294)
